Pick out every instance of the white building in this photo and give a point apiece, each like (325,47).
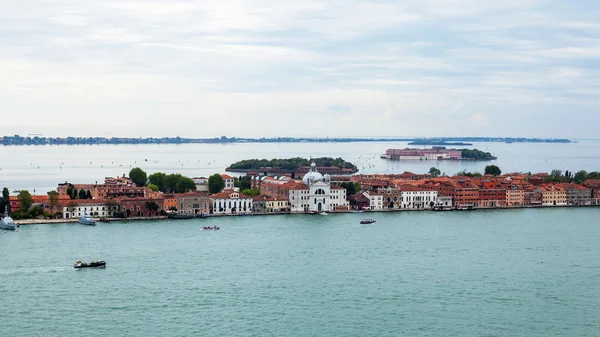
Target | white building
(201,184)
(316,194)
(375,201)
(412,197)
(230,202)
(95,209)
(229,185)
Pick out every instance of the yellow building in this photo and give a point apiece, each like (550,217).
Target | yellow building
(515,197)
(553,195)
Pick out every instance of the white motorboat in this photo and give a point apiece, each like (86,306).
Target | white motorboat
(7,222)
(87,219)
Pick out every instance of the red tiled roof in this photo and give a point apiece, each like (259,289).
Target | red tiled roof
(226,176)
(227,195)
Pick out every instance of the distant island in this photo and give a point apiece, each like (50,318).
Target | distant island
(437,143)
(38,140)
(437,153)
(292,165)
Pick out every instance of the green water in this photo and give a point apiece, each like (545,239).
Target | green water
(482,273)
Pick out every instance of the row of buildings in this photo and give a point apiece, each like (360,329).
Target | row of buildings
(316,192)
(511,190)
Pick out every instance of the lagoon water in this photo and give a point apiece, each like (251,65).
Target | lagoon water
(41,168)
(529,272)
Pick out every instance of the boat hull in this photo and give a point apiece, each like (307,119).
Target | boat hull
(87,223)
(8,227)
(101,264)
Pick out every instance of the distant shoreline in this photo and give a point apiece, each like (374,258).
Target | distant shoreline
(18,140)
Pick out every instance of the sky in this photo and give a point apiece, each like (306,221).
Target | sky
(327,68)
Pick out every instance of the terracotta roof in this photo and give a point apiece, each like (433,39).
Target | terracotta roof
(226,176)
(227,195)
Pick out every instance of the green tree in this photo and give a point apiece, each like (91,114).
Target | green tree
(153,187)
(350,187)
(158,179)
(152,206)
(52,200)
(25,201)
(5,201)
(580,176)
(251,192)
(35,211)
(184,184)
(243,182)
(138,176)
(88,194)
(171,182)
(493,170)
(556,173)
(70,189)
(435,172)
(82,194)
(215,183)
(593,175)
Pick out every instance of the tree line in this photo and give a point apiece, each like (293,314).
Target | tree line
(159,181)
(290,164)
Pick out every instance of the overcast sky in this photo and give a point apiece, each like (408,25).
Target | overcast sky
(300,68)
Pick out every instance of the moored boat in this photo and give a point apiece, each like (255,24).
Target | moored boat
(367,221)
(92,264)
(87,219)
(214,228)
(7,222)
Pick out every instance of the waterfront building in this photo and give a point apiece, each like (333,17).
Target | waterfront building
(142,207)
(359,201)
(553,195)
(443,203)
(577,194)
(515,197)
(266,204)
(95,208)
(436,153)
(316,194)
(193,203)
(375,200)
(230,202)
(594,185)
(170,202)
(412,197)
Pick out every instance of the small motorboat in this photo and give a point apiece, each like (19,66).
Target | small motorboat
(323,213)
(367,221)
(103,220)
(215,228)
(92,264)
(87,219)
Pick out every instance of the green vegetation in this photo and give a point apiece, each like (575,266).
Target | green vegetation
(464,173)
(172,183)
(4,201)
(290,164)
(435,172)
(251,192)
(493,170)
(25,201)
(52,200)
(475,154)
(557,176)
(138,176)
(351,188)
(215,183)
(243,183)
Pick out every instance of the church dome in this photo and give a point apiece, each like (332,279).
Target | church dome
(312,176)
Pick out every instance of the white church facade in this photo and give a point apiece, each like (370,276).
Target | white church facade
(316,194)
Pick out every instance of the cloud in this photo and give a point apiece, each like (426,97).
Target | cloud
(365,67)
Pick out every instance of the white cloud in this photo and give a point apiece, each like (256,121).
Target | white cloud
(418,67)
